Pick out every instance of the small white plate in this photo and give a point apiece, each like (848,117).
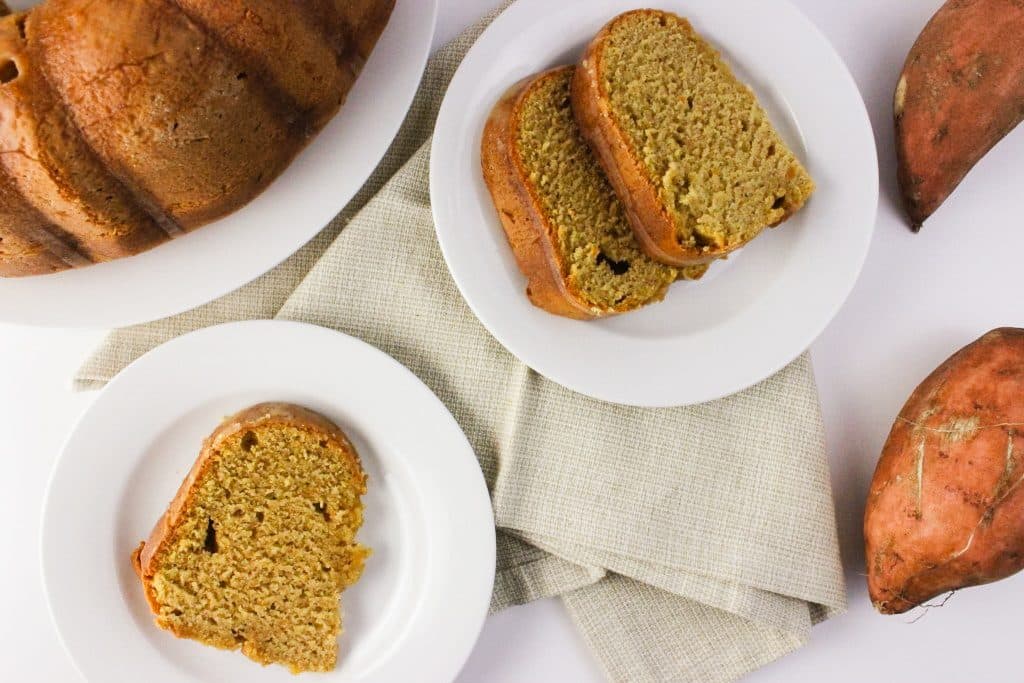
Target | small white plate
(220,257)
(417,611)
(752,314)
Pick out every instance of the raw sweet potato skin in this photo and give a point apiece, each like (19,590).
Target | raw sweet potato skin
(961,91)
(946,506)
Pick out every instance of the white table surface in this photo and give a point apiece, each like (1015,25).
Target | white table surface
(920,298)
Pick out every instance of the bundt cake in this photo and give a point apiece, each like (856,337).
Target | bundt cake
(123,124)
(260,539)
(567,228)
(686,145)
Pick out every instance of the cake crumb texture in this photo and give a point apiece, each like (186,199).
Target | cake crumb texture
(601,258)
(721,170)
(261,543)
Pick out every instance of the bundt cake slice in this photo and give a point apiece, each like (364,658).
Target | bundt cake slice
(260,539)
(52,172)
(685,143)
(565,225)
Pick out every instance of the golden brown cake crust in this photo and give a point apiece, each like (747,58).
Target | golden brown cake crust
(652,224)
(20,256)
(29,244)
(177,111)
(163,103)
(147,554)
(24,249)
(364,21)
(309,52)
(531,237)
(53,171)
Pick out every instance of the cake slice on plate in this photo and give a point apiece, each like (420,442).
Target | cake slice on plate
(567,228)
(259,541)
(685,143)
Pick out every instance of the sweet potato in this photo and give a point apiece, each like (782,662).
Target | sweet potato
(946,505)
(961,92)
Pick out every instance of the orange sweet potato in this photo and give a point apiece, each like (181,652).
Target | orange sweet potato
(946,505)
(961,92)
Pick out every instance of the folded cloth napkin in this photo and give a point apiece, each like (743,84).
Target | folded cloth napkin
(689,544)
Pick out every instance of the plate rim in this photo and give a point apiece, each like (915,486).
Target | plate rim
(120,315)
(489,537)
(442,156)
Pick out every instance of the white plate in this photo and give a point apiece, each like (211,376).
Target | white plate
(415,614)
(228,253)
(752,314)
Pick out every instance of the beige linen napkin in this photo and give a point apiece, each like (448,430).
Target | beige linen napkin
(689,544)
